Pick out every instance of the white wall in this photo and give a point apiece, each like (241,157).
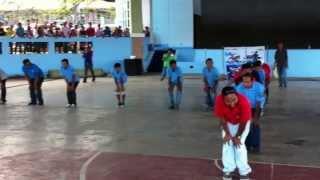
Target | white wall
(172,22)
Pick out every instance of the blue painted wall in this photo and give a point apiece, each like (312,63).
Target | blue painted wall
(302,63)
(172,22)
(107,51)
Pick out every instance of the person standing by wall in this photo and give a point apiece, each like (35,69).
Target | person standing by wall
(254,92)
(211,80)
(88,64)
(35,78)
(281,62)
(72,82)
(3,80)
(234,113)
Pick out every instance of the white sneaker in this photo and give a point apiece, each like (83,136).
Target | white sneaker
(68,105)
(227,176)
(73,105)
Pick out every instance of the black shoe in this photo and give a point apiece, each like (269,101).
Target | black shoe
(3,101)
(171,107)
(32,104)
(94,80)
(40,104)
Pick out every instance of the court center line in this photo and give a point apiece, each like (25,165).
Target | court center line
(84,168)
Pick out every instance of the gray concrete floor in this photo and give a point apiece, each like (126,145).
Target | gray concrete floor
(290,125)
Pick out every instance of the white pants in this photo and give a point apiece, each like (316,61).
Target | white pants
(234,157)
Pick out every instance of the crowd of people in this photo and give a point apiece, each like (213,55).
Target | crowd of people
(66,30)
(239,107)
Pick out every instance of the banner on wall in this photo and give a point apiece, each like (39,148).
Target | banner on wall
(235,57)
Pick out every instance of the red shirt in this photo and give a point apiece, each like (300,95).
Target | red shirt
(91,32)
(267,71)
(241,113)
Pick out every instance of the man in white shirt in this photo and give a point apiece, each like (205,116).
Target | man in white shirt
(3,80)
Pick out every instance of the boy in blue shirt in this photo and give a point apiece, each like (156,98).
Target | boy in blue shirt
(210,79)
(175,80)
(254,92)
(35,77)
(257,67)
(120,79)
(72,82)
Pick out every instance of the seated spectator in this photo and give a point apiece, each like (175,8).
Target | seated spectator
(40,32)
(83,32)
(20,31)
(65,30)
(50,32)
(29,33)
(91,32)
(99,32)
(2,32)
(146,31)
(107,31)
(74,31)
(117,32)
(57,32)
(9,31)
(126,32)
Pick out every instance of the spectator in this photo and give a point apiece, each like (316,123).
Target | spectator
(91,31)
(57,32)
(146,31)
(10,32)
(40,32)
(83,32)
(107,31)
(50,32)
(29,33)
(74,31)
(99,32)
(2,32)
(20,31)
(126,32)
(65,30)
(281,62)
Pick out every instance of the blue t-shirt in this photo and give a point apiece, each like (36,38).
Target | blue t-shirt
(255,94)
(69,74)
(32,71)
(262,76)
(119,76)
(210,75)
(175,75)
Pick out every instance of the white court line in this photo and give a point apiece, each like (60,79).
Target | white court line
(83,171)
(216,163)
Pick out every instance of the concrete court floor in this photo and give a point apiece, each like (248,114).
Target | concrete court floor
(290,125)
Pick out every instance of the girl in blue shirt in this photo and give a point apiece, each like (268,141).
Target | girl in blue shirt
(72,81)
(175,80)
(120,79)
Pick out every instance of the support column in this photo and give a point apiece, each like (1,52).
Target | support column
(136,16)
